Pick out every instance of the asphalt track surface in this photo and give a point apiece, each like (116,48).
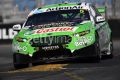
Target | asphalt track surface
(108,69)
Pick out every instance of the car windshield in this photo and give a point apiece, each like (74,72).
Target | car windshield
(75,16)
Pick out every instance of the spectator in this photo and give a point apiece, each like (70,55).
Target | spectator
(26,4)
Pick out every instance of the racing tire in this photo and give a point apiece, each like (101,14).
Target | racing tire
(97,57)
(20,61)
(36,60)
(110,51)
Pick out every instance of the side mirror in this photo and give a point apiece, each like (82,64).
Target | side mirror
(100,19)
(17,27)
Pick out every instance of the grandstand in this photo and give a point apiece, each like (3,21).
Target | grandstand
(10,13)
(16,11)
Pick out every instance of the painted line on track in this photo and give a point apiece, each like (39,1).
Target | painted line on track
(73,76)
(49,67)
(40,68)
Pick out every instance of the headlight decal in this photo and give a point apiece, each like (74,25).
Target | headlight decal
(19,39)
(82,33)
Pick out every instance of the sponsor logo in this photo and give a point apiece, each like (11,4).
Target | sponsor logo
(47,30)
(17,47)
(50,47)
(63,8)
(83,41)
(56,25)
(7,33)
(51,40)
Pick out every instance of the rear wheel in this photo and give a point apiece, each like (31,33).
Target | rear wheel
(109,53)
(20,61)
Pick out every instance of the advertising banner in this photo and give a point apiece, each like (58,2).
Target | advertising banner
(7,33)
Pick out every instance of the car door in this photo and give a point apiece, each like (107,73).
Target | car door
(103,32)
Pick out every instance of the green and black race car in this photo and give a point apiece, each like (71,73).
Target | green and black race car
(62,31)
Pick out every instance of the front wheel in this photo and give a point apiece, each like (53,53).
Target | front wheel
(20,61)
(37,60)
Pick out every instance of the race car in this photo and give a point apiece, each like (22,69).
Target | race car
(62,31)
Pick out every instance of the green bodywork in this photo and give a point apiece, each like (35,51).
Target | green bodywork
(102,9)
(23,46)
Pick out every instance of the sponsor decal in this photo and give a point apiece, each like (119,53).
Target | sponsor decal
(7,33)
(56,25)
(57,29)
(51,40)
(63,8)
(17,47)
(83,41)
(50,48)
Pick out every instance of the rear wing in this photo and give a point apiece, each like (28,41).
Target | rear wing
(102,10)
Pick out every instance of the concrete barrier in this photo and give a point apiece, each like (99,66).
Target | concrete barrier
(115,27)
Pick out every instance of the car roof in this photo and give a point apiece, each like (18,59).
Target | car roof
(57,7)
